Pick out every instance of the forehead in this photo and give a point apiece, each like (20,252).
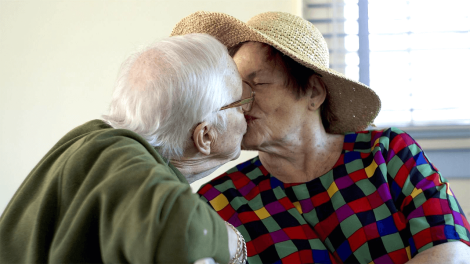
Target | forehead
(233,79)
(254,58)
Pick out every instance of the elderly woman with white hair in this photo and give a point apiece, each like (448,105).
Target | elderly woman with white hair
(116,190)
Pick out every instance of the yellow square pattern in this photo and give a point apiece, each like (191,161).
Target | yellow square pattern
(332,189)
(415,192)
(371,169)
(297,206)
(375,143)
(219,202)
(262,213)
(408,253)
(447,188)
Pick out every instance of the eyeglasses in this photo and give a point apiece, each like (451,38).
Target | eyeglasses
(246,103)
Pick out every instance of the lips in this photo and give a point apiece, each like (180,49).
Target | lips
(249,119)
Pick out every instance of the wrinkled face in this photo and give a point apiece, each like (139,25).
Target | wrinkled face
(228,144)
(277,115)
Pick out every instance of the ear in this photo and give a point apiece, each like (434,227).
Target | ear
(317,92)
(202,137)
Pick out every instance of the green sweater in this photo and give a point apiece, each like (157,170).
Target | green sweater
(105,195)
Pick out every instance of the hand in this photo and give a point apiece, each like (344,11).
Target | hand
(232,241)
(239,255)
(450,252)
(205,261)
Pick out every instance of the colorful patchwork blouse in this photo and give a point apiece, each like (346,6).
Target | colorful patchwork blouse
(383,202)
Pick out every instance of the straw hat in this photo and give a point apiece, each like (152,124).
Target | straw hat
(354,104)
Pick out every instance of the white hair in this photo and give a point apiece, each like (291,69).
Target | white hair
(165,90)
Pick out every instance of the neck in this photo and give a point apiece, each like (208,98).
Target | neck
(196,167)
(309,156)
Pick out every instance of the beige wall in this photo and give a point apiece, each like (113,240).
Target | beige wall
(59,60)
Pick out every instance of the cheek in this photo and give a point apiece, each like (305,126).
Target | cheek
(239,125)
(236,128)
(279,123)
(243,125)
(280,116)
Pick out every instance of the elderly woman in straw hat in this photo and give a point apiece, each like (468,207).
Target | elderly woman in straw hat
(107,193)
(323,189)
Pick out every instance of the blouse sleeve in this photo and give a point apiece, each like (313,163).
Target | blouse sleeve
(422,195)
(145,214)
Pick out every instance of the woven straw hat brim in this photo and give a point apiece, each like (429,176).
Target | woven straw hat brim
(354,104)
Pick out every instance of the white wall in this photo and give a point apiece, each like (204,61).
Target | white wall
(59,60)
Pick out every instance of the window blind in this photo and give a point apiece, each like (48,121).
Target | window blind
(414,53)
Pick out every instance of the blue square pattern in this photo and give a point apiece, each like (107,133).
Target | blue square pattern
(275,183)
(243,165)
(320,256)
(351,156)
(412,246)
(419,158)
(396,190)
(350,138)
(344,251)
(386,226)
(450,232)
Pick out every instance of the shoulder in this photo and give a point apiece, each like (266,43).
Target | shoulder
(238,181)
(383,138)
(113,162)
(96,143)
(396,139)
(100,136)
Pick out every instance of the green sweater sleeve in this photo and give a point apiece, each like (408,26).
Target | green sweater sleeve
(114,200)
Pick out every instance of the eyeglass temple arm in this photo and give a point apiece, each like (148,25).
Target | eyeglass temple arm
(239,103)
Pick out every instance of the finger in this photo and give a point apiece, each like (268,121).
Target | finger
(205,261)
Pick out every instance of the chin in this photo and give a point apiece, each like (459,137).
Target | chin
(232,155)
(249,145)
(237,155)
(251,140)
